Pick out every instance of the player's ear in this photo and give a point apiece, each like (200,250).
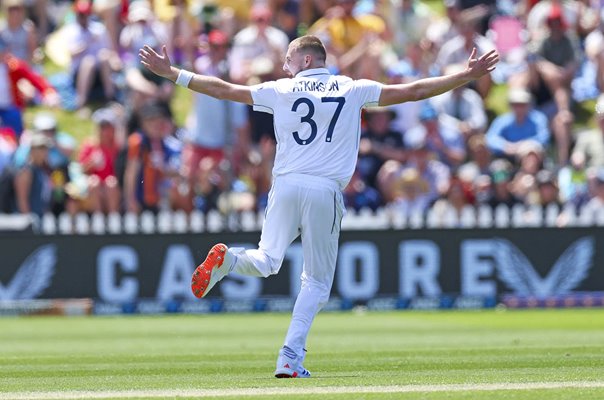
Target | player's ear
(307,59)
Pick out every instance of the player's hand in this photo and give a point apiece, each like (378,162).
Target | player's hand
(158,64)
(483,65)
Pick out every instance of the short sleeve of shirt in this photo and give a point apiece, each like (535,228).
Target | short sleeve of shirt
(368,92)
(264,96)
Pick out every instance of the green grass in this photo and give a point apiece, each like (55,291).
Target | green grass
(222,353)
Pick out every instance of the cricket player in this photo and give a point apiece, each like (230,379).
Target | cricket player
(317,118)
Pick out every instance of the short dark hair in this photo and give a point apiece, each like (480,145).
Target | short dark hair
(310,44)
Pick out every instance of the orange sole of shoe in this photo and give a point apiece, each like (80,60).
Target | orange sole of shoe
(280,376)
(201,277)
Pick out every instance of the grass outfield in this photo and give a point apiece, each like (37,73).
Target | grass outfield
(540,354)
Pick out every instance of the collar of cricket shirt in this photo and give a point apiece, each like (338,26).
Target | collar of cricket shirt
(313,72)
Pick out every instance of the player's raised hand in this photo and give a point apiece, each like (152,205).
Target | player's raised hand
(483,65)
(158,64)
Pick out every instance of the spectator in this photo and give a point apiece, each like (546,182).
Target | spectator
(408,22)
(256,172)
(501,176)
(150,163)
(181,29)
(547,189)
(8,145)
(97,158)
(143,28)
(549,76)
(443,29)
(12,103)
(355,43)
(432,171)
(92,59)
(480,157)
(524,183)
(359,195)
(508,131)
(463,106)
(379,143)
(441,139)
(596,203)
(19,34)
(590,142)
(212,124)
(411,193)
(32,182)
(61,150)
(458,196)
(572,181)
(258,48)
(458,49)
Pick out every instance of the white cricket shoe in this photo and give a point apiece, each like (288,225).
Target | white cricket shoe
(289,365)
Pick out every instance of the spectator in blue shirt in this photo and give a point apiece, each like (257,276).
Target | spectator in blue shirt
(509,131)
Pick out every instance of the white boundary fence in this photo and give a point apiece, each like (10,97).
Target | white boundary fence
(470,217)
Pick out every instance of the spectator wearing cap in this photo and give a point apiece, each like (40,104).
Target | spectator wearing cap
(97,157)
(12,102)
(32,181)
(61,150)
(441,138)
(462,107)
(212,124)
(63,144)
(508,131)
(19,34)
(379,143)
(142,29)
(92,57)
(152,161)
(590,143)
(420,157)
(549,76)
(547,192)
(501,171)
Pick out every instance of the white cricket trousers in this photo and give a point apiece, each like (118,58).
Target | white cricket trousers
(312,207)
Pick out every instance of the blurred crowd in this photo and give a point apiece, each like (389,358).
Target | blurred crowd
(443,153)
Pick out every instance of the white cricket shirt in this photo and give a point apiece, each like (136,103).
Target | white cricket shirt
(317,118)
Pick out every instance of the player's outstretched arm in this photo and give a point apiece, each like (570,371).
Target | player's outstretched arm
(429,87)
(209,85)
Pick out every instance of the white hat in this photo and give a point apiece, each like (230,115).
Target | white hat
(44,122)
(140,10)
(519,96)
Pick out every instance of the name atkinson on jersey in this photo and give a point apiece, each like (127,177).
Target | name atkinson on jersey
(314,86)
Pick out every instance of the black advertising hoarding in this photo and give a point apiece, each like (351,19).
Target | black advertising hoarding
(408,264)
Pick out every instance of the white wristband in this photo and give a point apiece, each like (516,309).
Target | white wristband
(184,78)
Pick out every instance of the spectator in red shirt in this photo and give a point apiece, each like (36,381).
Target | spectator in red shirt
(97,157)
(12,70)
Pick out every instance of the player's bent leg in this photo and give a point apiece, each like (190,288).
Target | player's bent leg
(289,364)
(215,267)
